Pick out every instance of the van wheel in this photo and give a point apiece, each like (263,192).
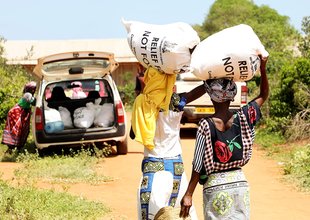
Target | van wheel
(122,147)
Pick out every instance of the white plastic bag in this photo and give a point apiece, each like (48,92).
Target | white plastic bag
(164,47)
(51,115)
(230,53)
(83,117)
(65,117)
(53,121)
(106,116)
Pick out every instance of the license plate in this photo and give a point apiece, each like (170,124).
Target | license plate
(209,110)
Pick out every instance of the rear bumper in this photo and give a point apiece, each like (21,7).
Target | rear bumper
(80,136)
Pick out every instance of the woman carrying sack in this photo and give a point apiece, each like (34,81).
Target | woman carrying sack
(223,145)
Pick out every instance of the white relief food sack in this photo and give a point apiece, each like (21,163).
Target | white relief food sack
(164,47)
(83,117)
(230,53)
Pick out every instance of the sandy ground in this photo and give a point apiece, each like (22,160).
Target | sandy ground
(271,198)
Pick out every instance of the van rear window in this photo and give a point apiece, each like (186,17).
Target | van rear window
(77,89)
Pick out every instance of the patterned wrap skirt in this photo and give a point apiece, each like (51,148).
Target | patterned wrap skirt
(17,127)
(163,184)
(226,196)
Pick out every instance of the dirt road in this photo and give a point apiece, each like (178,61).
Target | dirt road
(271,199)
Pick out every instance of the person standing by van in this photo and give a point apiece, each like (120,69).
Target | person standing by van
(17,125)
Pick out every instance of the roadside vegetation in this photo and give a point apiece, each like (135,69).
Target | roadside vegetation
(29,203)
(20,198)
(284,132)
(128,91)
(78,167)
(292,156)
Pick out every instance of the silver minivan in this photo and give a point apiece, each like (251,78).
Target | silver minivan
(71,81)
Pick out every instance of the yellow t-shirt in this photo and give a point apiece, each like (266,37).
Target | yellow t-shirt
(155,96)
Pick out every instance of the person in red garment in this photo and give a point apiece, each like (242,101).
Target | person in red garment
(223,146)
(17,125)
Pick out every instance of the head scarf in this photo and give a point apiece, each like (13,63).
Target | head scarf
(26,100)
(221,90)
(30,87)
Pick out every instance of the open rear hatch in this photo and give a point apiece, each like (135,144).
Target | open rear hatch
(73,65)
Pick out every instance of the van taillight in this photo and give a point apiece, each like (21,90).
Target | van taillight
(120,113)
(38,119)
(244,94)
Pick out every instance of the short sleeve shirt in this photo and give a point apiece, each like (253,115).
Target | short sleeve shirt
(229,140)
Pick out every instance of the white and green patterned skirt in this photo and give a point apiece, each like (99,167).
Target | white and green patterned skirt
(226,196)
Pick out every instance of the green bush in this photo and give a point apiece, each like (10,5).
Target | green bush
(13,79)
(128,90)
(268,139)
(298,167)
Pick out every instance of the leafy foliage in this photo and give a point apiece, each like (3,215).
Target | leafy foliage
(298,167)
(299,128)
(304,44)
(128,90)
(13,79)
(273,29)
(288,74)
(292,95)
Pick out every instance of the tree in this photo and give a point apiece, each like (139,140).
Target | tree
(13,79)
(273,29)
(304,44)
(288,74)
